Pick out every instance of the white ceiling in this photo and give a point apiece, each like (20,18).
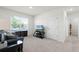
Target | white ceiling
(35,10)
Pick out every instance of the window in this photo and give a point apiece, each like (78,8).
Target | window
(19,23)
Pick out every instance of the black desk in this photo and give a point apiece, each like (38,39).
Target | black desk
(21,33)
(10,42)
(17,47)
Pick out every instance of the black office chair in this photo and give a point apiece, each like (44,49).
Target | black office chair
(39,32)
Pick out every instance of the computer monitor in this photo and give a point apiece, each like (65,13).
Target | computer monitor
(39,27)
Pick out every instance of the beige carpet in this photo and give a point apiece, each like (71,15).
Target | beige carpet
(33,44)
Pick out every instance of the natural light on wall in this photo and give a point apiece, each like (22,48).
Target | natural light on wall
(19,23)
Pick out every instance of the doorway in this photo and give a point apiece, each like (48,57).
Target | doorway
(73,17)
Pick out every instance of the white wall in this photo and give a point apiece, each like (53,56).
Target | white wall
(31,26)
(55,24)
(5,16)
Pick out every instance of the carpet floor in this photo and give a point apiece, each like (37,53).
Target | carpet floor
(33,44)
